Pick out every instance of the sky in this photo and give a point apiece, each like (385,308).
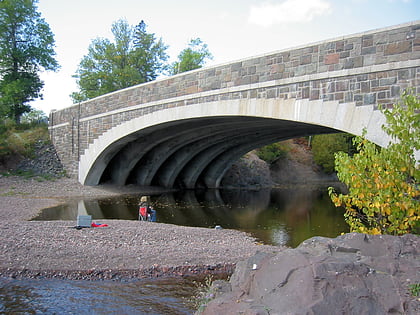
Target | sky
(232,29)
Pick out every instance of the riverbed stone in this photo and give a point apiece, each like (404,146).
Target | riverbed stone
(351,274)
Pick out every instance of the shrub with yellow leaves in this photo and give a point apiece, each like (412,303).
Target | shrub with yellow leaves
(383,183)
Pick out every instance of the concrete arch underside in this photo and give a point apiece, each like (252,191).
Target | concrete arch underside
(193,146)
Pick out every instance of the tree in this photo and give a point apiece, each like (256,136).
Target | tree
(383,184)
(192,57)
(150,53)
(134,57)
(325,146)
(34,117)
(26,48)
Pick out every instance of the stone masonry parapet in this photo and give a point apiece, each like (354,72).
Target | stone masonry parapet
(368,69)
(363,50)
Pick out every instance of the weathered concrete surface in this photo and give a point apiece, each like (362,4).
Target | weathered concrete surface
(351,274)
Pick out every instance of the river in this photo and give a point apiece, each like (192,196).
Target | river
(285,216)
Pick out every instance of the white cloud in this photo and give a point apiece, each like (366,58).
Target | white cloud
(288,11)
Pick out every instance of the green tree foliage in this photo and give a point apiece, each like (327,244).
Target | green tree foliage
(273,152)
(133,57)
(192,57)
(384,195)
(34,117)
(26,48)
(325,146)
(150,54)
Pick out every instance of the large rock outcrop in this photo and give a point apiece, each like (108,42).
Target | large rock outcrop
(351,274)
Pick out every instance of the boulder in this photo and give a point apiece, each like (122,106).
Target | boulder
(351,274)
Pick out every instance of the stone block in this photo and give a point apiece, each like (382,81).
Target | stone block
(305,92)
(344,54)
(331,59)
(369,60)
(404,74)
(348,97)
(369,50)
(374,83)
(330,87)
(348,46)
(271,93)
(398,35)
(365,86)
(251,70)
(367,40)
(383,95)
(314,94)
(395,91)
(339,46)
(354,62)
(286,56)
(307,59)
(369,98)
(387,81)
(236,66)
(416,44)
(339,97)
(277,68)
(398,48)
(358,98)
(342,86)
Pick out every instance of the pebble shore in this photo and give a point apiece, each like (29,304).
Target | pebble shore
(123,250)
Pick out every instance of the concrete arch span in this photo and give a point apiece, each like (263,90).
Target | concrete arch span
(195,145)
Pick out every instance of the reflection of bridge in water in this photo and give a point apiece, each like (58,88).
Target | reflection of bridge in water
(270,215)
(186,130)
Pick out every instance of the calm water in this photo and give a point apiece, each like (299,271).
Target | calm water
(278,216)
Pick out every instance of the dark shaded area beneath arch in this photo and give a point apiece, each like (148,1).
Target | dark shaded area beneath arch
(196,152)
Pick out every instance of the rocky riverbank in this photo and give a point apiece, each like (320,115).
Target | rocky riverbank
(124,249)
(351,274)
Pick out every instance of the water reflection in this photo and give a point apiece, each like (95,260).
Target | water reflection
(274,216)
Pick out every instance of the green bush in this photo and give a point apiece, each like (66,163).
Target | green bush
(325,146)
(273,152)
(20,139)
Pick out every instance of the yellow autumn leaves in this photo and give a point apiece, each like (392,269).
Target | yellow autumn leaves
(383,183)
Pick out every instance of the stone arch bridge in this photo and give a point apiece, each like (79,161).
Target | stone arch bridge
(187,130)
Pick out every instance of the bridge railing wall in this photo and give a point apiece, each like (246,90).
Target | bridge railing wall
(367,68)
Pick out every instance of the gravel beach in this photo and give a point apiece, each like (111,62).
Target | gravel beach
(124,249)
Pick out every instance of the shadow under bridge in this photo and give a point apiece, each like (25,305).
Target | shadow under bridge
(192,153)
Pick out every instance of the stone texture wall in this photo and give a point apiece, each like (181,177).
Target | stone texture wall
(367,69)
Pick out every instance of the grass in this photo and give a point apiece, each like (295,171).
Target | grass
(18,141)
(21,139)
(414,289)
(31,175)
(204,294)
